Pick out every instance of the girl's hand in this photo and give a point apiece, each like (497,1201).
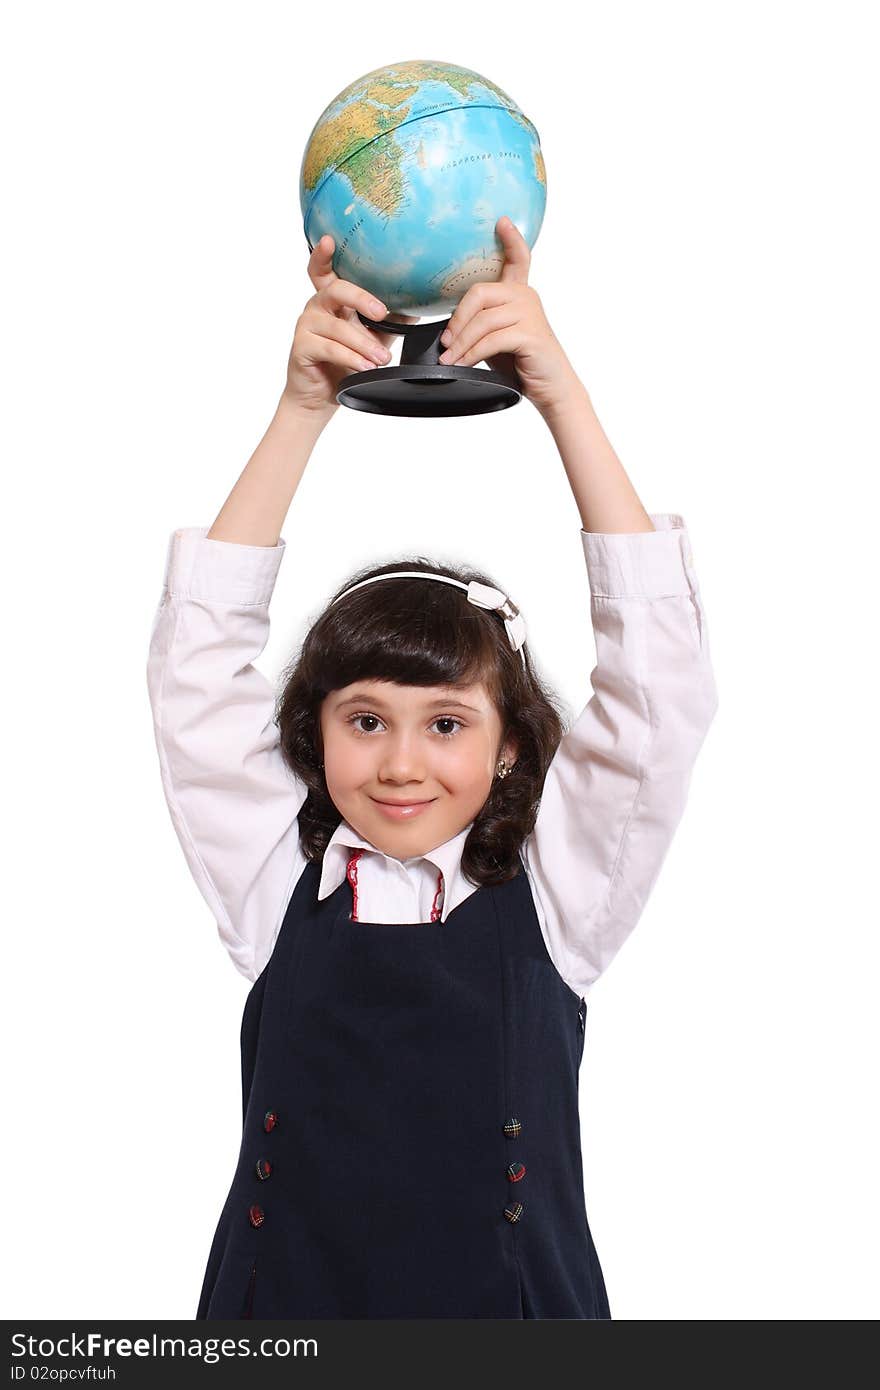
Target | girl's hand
(506,318)
(330,341)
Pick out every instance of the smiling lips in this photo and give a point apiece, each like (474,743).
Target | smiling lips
(401,810)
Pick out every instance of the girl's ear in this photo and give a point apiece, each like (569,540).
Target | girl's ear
(509,753)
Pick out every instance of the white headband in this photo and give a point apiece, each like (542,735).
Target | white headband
(483,595)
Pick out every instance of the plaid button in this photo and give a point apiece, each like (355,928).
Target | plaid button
(264,1168)
(512,1128)
(515,1171)
(514,1211)
(256,1215)
(270,1120)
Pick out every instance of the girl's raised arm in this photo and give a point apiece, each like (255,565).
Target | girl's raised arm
(233,800)
(329,343)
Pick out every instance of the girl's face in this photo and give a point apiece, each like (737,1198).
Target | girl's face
(385,742)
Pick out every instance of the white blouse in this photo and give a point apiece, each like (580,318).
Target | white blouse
(612,798)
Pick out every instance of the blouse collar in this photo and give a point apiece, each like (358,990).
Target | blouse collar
(445,857)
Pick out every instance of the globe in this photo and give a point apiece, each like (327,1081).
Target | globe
(408,169)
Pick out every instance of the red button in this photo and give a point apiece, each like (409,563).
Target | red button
(264,1168)
(270,1120)
(256,1215)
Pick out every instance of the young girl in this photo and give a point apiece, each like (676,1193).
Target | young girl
(421,873)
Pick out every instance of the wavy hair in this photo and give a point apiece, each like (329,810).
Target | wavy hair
(423,634)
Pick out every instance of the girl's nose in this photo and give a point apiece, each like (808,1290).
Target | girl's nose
(402,763)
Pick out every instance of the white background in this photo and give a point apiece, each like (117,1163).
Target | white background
(709,261)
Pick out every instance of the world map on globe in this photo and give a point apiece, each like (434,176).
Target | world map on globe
(409,169)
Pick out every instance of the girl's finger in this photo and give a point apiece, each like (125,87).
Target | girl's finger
(318,349)
(343,294)
(320,266)
(486,295)
(351,334)
(517,256)
(473,335)
(504,340)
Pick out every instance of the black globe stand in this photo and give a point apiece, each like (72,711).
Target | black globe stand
(420,385)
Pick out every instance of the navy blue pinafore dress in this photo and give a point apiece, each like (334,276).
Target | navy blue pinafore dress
(411,1139)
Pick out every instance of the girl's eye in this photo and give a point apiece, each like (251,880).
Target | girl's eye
(448,719)
(363,733)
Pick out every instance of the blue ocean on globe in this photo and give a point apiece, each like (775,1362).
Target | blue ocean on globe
(409,169)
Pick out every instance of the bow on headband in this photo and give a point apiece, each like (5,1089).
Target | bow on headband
(486,597)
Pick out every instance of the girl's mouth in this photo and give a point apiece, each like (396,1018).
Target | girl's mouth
(402,810)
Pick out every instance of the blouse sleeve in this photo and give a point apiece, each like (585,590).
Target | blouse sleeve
(617,786)
(232,798)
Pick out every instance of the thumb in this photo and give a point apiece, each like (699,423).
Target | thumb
(517,256)
(320,265)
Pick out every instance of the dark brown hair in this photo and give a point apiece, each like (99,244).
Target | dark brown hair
(415,632)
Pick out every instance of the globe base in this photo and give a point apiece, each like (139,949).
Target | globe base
(429,391)
(420,385)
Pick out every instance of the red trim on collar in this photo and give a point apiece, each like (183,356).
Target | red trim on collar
(351,875)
